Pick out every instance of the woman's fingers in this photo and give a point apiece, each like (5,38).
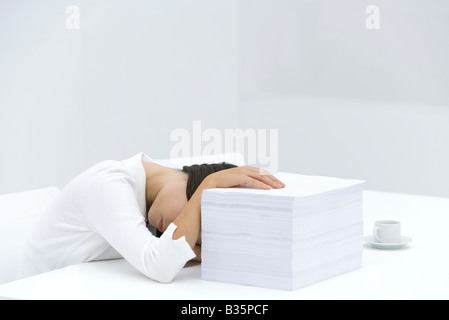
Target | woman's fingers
(278,182)
(265,172)
(256,177)
(257,183)
(264,176)
(268,181)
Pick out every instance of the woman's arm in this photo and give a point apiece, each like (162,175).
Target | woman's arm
(189,220)
(112,212)
(197,250)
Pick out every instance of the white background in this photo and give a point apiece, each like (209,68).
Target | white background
(347,101)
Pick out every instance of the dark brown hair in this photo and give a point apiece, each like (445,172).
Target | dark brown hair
(197,173)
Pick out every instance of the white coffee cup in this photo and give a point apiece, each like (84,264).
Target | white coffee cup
(387,231)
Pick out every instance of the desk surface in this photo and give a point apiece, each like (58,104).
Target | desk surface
(418,271)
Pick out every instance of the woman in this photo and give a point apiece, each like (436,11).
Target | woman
(114,208)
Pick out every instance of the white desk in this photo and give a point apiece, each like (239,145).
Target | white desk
(418,271)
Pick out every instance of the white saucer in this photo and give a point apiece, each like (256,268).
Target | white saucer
(378,245)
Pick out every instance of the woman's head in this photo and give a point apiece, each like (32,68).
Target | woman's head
(177,187)
(197,173)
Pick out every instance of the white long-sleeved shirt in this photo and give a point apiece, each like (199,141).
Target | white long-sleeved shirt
(101,215)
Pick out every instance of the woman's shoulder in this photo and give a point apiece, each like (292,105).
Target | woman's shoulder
(109,167)
(110,171)
(103,174)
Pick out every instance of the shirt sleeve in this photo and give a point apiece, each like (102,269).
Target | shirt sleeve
(112,212)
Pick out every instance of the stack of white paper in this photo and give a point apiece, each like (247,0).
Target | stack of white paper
(282,238)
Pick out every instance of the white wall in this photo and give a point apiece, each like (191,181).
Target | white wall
(394,147)
(40,112)
(348,101)
(132,73)
(322,47)
(154,66)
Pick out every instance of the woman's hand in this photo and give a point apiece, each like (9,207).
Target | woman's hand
(238,176)
(189,220)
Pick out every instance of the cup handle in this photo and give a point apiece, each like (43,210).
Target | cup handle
(376,235)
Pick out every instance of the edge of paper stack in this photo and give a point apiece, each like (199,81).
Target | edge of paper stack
(286,238)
